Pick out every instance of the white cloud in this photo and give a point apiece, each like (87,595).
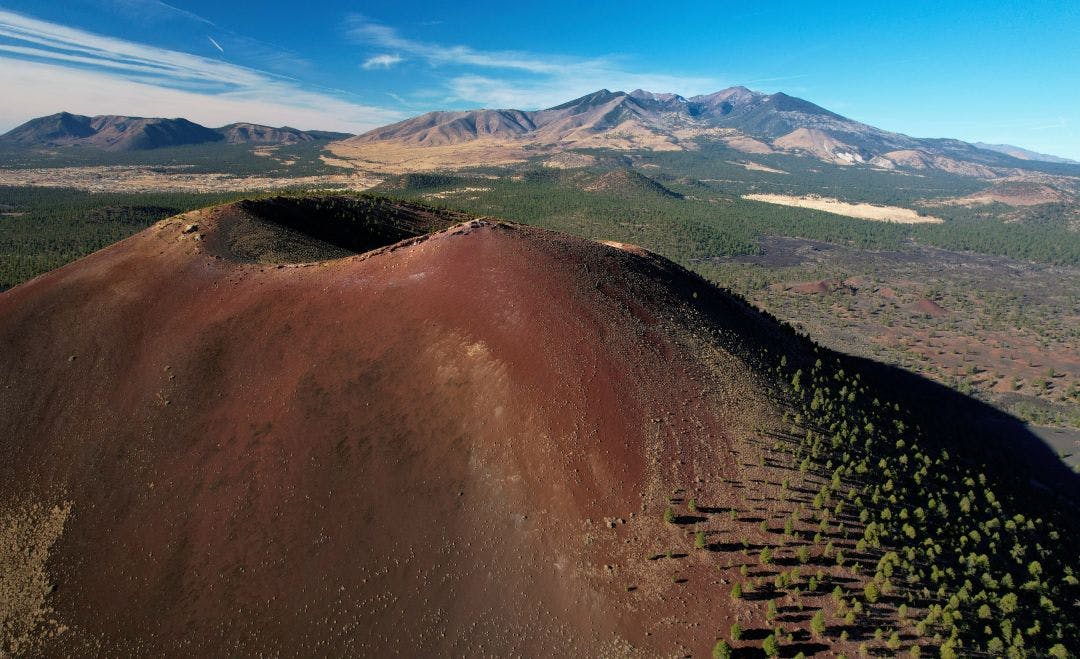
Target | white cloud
(382,61)
(56,67)
(48,88)
(523,80)
(538,94)
(383,36)
(51,41)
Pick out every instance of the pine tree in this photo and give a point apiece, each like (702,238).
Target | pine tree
(721,650)
(894,641)
(871,592)
(765,556)
(771,646)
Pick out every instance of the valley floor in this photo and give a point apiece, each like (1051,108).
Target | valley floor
(134,179)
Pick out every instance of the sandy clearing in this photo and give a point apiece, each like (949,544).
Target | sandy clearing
(450,193)
(569,160)
(394,158)
(755,167)
(859,211)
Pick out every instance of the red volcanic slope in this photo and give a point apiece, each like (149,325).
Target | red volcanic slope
(458,444)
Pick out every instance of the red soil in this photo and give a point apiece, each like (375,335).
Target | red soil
(930,308)
(814,287)
(412,450)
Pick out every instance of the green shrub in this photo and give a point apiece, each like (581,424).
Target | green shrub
(721,650)
(771,646)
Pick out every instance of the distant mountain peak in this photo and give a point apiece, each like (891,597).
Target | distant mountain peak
(641,94)
(738,94)
(598,97)
(109,132)
(1024,154)
(112,132)
(246,133)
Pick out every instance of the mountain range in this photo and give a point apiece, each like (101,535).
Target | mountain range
(121,133)
(743,119)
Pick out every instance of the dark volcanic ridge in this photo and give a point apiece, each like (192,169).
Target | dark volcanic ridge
(346,425)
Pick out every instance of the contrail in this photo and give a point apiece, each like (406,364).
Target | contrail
(216,44)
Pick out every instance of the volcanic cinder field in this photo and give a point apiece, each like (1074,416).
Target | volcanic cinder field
(396,430)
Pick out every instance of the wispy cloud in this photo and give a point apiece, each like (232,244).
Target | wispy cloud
(794,76)
(161,18)
(153,11)
(381,61)
(102,74)
(1060,122)
(533,94)
(519,79)
(385,37)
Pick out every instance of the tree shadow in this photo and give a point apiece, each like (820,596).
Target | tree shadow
(733,546)
(712,510)
(793,617)
(756,634)
(789,561)
(807,648)
(759,595)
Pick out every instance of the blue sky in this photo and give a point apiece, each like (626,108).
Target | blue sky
(989,71)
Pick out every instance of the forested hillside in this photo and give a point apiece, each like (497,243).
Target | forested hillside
(44,228)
